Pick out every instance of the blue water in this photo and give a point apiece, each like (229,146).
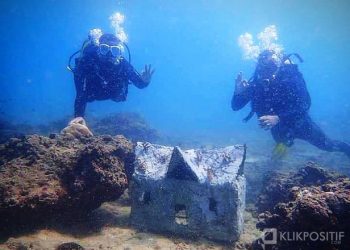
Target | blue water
(192,45)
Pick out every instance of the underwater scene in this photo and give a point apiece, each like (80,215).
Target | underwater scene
(157,124)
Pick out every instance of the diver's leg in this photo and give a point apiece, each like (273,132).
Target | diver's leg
(81,96)
(283,134)
(310,132)
(80,106)
(283,138)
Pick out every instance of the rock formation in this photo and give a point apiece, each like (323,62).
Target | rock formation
(43,177)
(312,200)
(77,128)
(278,185)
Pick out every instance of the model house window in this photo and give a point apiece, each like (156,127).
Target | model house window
(181,216)
(213,205)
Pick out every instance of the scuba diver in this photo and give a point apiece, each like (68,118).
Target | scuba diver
(278,95)
(101,72)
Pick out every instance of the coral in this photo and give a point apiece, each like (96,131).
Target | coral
(278,186)
(70,246)
(43,177)
(77,128)
(312,200)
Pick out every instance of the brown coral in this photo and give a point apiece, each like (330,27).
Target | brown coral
(42,177)
(320,203)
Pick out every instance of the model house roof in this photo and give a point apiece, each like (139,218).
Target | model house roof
(214,166)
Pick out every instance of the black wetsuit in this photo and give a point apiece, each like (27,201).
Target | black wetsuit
(101,79)
(286,96)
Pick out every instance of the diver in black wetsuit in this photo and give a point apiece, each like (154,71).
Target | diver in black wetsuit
(101,73)
(278,95)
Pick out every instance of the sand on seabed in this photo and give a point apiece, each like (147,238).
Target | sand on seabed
(108,228)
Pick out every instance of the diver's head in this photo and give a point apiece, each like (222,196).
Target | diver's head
(110,47)
(268,63)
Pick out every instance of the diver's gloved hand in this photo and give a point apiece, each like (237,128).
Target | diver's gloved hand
(147,73)
(241,84)
(268,121)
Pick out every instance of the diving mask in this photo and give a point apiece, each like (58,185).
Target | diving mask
(115,50)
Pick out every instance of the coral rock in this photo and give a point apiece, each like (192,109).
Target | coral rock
(278,186)
(318,201)
(42,177)
(77,128)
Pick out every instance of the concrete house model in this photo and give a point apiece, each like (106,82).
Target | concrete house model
(191,192)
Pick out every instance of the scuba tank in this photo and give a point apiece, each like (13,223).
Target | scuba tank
(93,39)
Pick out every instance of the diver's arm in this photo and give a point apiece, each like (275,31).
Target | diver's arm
(136,78)
(240,100)
(242,94)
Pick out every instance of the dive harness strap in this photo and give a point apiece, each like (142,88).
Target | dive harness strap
(69,66)
(249,116)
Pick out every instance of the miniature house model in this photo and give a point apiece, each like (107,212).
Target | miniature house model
(192,192)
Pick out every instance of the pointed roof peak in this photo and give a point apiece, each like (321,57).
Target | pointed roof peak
(180,167)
